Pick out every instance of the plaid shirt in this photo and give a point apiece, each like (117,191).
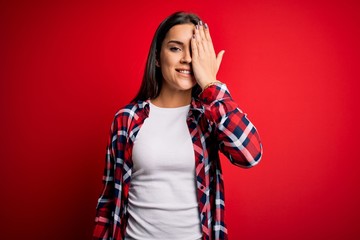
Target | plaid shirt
(215,123)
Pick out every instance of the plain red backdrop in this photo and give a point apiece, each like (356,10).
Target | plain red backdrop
(293,67)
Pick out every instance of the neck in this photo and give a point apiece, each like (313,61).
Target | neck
(173,99)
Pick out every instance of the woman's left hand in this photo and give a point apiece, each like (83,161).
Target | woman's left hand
(205,63)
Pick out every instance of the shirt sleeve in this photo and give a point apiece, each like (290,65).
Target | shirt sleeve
(238,138)
(105,206)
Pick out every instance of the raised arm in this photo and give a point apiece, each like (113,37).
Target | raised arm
(237,136)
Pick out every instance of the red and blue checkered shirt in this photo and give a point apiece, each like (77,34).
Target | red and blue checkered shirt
(216,124)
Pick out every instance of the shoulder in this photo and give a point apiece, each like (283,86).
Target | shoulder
(131,111)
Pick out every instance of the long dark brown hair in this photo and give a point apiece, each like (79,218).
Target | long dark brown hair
(152,79)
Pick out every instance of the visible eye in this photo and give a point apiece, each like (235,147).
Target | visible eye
(175,49)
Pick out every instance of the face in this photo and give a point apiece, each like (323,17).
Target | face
(175,59)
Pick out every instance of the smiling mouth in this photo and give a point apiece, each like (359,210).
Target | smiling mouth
(189,72)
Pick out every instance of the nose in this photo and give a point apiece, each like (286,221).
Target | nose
(186,58)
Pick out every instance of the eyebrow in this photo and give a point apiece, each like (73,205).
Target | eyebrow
(175,41)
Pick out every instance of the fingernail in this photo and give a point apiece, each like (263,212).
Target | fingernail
(197,26)
(206,26)
(200,23)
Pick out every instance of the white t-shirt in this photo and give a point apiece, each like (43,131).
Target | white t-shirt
(162,195)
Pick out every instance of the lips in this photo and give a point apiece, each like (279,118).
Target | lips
(185,71)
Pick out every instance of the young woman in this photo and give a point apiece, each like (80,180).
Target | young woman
(162,177)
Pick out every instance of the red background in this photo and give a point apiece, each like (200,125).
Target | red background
(293,66)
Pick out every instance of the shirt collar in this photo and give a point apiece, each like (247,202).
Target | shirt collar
(195,106)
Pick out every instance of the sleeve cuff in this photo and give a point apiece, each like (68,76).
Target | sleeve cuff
(214,92)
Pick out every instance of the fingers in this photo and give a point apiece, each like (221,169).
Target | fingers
(201,29)
(205,62)
(219,58)
(194,48)
(207,32)
(200,38)
(203,38)
(207,36)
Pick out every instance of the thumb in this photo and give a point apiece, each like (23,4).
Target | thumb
(219,59)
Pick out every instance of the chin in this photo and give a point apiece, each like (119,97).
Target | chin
(188,85)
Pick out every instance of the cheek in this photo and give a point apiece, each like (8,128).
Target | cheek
(166,71)
(165,62)
(168,59)
(166,65)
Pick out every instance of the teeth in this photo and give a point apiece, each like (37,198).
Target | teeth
(185,71)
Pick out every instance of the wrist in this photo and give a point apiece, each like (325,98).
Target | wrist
(209,84)
(205,86)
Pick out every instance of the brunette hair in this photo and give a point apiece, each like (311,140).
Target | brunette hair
(152,79)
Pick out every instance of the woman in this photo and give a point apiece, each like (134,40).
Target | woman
(162,177)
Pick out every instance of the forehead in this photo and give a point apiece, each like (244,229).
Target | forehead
(180,32)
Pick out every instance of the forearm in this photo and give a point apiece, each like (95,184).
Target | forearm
(238,138)
(105,205)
